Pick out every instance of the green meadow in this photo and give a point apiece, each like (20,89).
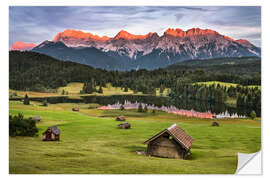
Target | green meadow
(73,90)
(225,84)
(91,143)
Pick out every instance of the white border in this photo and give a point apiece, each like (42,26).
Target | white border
(265,77)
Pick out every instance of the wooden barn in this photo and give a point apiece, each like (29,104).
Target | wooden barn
(51,134)
(36,118)
(124,126)
(120,118)
(215,123)
(76,109)
(172,142)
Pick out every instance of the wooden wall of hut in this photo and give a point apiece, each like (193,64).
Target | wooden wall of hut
(166,147)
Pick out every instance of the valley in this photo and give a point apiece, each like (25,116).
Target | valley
(86,149)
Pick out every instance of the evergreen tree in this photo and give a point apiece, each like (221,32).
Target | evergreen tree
(145,109)
(26,100)
(126,89)
(161,89)
(44,103)
(140,108)
(100,90)
(122,107)
(253,114)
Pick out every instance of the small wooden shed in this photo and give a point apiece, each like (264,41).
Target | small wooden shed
(124,126)
(76,109)
(172,142)
(51,134)
(120,118)
(215,123)
(36,118)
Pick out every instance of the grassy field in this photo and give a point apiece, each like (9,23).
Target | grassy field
(73,90)
(92,143)
(224,84)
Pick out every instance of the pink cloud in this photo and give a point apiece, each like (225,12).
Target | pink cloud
(21,46)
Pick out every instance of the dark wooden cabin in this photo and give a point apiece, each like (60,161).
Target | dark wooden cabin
(36,118)
(215,123)
(51,134)
(124,126)
(120,118)
(172,142)
(76,109)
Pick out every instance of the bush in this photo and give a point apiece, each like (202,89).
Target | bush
(253,114)
(122,107)
(18,126)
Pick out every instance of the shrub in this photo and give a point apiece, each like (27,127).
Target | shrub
(18,126)
(253,114)
(122,107)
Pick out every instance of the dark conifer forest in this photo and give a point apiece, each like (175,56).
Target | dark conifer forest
(38,72)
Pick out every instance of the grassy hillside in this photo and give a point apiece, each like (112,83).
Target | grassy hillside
(74,88)
(92,144)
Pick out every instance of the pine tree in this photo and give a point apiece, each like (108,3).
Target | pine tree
(100,90)
(126,89)
(122,107)
(253,114)
(26,100)
(140,109)
(44,103)
(145,109)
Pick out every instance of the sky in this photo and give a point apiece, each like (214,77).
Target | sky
(35,24)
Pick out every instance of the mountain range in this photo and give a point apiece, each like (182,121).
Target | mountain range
(127,51)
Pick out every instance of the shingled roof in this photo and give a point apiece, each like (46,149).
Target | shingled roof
(54,130)
(177,133)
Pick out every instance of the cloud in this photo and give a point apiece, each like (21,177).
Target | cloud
(179,16)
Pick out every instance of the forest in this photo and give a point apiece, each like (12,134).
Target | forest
(38,72)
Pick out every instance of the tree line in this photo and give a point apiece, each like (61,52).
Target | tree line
(38,72)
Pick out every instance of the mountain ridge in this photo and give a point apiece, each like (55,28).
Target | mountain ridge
(148,51)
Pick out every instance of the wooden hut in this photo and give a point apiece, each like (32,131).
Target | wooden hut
(36,118)
(215,123)
(76,109)
(124,126)
(120,118)
(172,142)
(51,134)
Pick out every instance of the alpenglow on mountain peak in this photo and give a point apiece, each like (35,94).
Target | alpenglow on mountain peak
(148,50)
